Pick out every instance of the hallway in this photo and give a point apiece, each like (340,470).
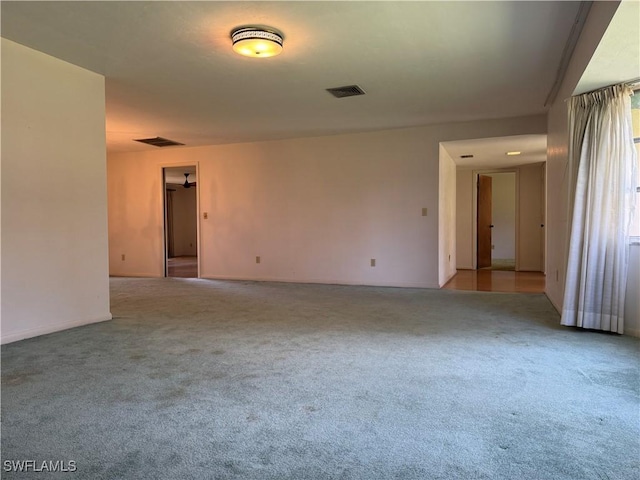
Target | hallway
(497,281)
(183,267)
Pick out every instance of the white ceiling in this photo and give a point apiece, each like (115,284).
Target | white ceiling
(170,70)
(617,58)
(490,153)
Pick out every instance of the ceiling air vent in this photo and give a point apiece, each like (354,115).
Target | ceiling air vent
(348,91)
(466,156)
(158,142)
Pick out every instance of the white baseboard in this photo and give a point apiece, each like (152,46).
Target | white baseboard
(632,332)
(317,281)
(557,307)
(136,275)
(449,277)
(45,329)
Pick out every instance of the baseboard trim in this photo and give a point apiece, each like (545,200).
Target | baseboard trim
(632,332)
(317,281)
(557,307)
(449,277)
(46,329)
(136,275)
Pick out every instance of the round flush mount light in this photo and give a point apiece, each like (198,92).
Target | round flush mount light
(256,42)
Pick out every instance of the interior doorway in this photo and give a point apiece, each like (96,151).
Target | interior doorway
(484,237)
(181,222)
(496,221)
(524,157)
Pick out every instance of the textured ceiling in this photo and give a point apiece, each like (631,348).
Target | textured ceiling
(170,70)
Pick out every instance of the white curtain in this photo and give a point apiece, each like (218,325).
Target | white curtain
(603,160)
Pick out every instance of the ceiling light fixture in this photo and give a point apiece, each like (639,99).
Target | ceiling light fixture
(256,42)
(513,153)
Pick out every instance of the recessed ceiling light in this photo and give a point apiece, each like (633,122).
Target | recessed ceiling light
(513,153)
(256,42)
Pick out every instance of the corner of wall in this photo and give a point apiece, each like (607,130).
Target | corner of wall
(54,239)
(557,223)
(50,328)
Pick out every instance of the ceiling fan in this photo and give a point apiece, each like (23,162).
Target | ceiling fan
(186,183)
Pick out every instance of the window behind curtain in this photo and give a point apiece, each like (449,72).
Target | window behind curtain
(635,112)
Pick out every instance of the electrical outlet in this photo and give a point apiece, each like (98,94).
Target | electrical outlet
(258,259)
(123,257)
(205,215)
(373,262)
(424,212)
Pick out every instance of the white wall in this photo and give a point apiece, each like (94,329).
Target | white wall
(465,219)
(503,215)
(447,217)
(314,209)
(54,212)
(632,303)
(529,199)
(530,216)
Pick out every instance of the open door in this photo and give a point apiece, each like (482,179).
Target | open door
(484,222)
(181,221)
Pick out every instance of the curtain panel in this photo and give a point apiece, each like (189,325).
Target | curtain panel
(602,162)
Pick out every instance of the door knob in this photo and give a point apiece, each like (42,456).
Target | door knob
(490,226)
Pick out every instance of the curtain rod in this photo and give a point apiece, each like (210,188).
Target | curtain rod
(633,84)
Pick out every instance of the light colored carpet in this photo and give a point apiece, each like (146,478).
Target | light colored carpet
(198,379)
